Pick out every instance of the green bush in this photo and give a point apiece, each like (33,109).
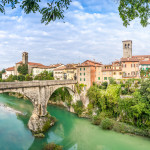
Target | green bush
(104,85)
(112,80)
(78,107)
(96,120)
(21,78)
(124,92)
(107,124)
(52,146)
(28,77)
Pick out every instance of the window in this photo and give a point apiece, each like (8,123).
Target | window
(98,78)
(80,79)
(120,73)
(128,45)
(80,69)
(80,74)
(124,65)
(84,68)
(114,73)
(125,45)
(105,78)
(104,73)
(137,65)
(84,74)
(84,79)
(132,65)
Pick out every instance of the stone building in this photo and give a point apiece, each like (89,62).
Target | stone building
(127,49)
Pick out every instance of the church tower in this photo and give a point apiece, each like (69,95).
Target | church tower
(127,49)
(25,58)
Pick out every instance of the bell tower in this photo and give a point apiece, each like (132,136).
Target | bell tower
(25,58)
(127,49)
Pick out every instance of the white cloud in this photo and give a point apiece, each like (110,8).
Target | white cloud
(84,35)
(77,4)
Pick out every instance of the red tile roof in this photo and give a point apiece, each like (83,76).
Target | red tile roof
(145,62)
(10,69)
(60,68)
(129,60)
(55,65)
(141,56)
(90,63)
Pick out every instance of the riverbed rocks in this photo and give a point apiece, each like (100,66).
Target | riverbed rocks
(10,109)
(40,124)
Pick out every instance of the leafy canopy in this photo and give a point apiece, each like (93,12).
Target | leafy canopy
(131,9)
(54,9)
(128,9)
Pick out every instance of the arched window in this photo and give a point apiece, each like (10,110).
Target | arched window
(125,45)
(128,45)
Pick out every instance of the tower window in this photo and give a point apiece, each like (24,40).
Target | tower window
(125,45)
(128,45)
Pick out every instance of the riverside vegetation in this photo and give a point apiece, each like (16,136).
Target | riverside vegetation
(123,106)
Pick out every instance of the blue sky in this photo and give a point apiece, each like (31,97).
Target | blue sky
(92,30)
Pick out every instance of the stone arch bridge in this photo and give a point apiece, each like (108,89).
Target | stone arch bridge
(39,93)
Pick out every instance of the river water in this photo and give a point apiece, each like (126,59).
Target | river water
(71,132)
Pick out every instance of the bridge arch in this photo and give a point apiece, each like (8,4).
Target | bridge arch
(39,93)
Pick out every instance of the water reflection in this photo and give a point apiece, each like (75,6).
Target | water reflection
(70,131)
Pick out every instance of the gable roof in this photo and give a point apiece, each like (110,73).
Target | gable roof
(10,69)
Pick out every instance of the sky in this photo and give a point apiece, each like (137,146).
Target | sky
(91,29)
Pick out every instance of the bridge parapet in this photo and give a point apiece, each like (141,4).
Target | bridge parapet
(25,84)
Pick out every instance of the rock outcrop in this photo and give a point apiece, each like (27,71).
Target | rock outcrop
(40,124)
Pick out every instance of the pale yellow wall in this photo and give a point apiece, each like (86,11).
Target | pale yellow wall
(128,69)
(99,74)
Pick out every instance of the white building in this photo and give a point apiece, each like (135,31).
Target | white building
(8,72)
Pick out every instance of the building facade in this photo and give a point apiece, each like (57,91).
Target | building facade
(87,74)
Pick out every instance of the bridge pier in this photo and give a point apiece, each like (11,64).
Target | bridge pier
(40,119)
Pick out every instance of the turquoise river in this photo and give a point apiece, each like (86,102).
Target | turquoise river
(71,132)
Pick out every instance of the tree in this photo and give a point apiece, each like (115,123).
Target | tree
(142,73)
(23,69)
(45,75)
(54,9)
(131,9)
